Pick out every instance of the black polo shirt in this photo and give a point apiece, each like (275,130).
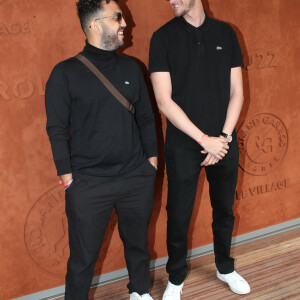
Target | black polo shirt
(199,61)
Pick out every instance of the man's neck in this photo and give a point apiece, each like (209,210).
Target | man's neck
(196,14)
(94,42)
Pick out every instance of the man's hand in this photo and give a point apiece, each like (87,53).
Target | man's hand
(66,177)
(215,146)
(153,161)
(209,160)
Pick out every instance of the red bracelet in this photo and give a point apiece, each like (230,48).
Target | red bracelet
(202,139)
(66,183)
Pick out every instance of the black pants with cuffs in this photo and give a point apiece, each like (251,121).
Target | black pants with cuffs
(183,169)
(89,205)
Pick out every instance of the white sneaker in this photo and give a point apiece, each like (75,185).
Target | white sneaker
(147,297)
(172,292)
(136,296)
(236,282)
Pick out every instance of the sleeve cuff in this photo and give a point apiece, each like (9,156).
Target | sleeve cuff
(158,69)
(150,150)
(63,166)
(237,64)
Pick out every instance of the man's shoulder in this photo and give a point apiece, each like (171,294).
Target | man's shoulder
(63,70)
(221,25)
(64,65)
(168,27)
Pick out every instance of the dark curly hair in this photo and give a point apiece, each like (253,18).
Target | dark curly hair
(87,9)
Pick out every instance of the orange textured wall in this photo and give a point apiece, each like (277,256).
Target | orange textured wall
(35,35)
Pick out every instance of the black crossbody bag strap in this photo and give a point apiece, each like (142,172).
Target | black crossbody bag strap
(106,83)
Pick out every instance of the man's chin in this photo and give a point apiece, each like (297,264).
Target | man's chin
(178,13)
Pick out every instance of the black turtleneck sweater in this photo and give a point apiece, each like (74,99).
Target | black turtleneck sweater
(92,135)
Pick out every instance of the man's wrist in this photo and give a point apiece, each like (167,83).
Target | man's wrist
(153,161)
(226,136)
(66,178)
(202,139)
(66,184)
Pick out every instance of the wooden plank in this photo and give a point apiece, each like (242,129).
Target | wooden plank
(271,266)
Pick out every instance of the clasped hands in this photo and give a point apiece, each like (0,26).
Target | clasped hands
(216,148)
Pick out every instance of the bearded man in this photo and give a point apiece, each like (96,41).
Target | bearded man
(105,155)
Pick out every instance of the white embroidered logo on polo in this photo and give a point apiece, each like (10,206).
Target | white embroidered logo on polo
(127,82)
(219,48)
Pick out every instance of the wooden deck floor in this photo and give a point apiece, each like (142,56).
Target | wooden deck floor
(271,266)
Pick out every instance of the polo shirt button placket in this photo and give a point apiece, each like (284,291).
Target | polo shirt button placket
(199,42)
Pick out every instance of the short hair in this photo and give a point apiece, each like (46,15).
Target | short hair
(86,9)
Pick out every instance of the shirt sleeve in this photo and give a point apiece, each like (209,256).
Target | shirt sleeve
(58,104)
(145,119)
(158,55)
(236,53)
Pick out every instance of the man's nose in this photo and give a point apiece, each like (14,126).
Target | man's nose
(123,23)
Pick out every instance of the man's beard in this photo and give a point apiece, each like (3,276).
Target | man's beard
(110,41)
(180,14)
(184,12)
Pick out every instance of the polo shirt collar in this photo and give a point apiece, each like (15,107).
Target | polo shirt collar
(189,27)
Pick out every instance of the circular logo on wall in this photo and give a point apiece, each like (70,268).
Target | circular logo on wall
(46,234)
(262,142)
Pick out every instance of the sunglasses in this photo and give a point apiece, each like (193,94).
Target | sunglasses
(117,17)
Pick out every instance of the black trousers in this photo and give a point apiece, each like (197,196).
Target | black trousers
(183,169)
(89,205)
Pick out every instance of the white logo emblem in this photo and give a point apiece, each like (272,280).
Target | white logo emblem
(219,48)
(126,82)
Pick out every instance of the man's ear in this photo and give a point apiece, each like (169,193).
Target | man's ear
(95,27)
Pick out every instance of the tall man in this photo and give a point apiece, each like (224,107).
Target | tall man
(105,156)
(195,65)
